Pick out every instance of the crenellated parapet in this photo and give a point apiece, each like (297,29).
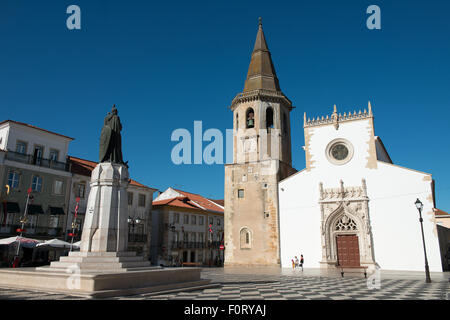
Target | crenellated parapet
(336,117)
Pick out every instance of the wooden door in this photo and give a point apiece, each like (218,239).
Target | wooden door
(348,251)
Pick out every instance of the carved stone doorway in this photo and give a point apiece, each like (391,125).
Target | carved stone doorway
(348,250)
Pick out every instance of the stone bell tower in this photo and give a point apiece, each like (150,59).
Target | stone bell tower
(261,158)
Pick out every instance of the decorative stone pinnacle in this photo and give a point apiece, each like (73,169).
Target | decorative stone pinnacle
(260,21)
(336,118)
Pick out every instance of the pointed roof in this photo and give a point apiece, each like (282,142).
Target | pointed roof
(261,72)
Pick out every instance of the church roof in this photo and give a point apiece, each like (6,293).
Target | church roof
(261,72)
(262,81)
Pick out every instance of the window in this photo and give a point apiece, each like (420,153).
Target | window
(240,193)
(36,184)
(21,147)
(193,237)
(211,221)
(201,220)
(37,155)
(201,237)
(246,238)
(54,220)
(80,190)
(218,222)
(54,155)
(13,179)
(186,219)
(185,237)
(250,118)
(339,151)
(177,217)
(193,219)
(141,200)
(58,187)
(237,120)
(130,198)
(32,221)
(269,117)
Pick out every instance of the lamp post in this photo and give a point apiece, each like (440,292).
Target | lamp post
(210,244)
(23,221)
(74,222)
(169,254)
(419,206)
(132,222)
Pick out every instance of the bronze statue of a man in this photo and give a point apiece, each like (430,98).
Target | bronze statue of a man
(110,138)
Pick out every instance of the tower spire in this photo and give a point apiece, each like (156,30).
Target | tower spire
(261,72)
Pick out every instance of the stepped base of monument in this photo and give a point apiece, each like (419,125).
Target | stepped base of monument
(98,284)
(99,262)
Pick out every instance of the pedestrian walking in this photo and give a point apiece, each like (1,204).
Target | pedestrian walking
(296,262)
(293,264)
(301,261)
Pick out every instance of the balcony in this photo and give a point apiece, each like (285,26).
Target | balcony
(188,245)
(32,160)
(214,244)
(32,232)
(133,237)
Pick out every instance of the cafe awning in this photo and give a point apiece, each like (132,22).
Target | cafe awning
(54,211)
(35,209)
(12,207)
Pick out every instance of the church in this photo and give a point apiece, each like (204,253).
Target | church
(351,205)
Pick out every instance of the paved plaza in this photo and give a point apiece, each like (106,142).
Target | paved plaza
(276,284)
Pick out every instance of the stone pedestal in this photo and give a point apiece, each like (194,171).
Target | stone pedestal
(105,226)
(104,239)
(103,267)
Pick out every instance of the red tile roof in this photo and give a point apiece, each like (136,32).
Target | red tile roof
(438,212)
(190,200)
(34,127)
(84,167)
(219,202)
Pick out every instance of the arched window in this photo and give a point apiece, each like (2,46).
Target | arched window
(269,117)
(250,118)
(345,224)
(246,238)
(237,120)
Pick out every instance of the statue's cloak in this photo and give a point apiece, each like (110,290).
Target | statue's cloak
(110,140)
(105,141)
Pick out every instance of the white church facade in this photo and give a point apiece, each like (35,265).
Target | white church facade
(351,206)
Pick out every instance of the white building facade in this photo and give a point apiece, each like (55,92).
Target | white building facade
(35,160)
(351,206)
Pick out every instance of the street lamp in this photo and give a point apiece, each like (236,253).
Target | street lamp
(172,246)
(419,206)
(131,225)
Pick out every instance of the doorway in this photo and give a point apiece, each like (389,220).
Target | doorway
(348,250)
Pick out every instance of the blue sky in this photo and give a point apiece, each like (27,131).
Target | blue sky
(167,64)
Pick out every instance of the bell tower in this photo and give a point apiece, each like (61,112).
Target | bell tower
(261,158)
